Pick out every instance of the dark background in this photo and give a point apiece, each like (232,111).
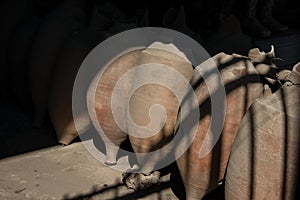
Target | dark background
(207,19)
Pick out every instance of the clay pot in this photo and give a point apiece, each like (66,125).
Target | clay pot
(264,161)
(74,51)
(21,45)
(242,84)
(99,99)
(12,13)
(144,97)
(114,132)
(57,26)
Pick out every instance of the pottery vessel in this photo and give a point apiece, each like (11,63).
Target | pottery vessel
(161,91)
(242,85)
(264,159)
(73,53)
(66,19)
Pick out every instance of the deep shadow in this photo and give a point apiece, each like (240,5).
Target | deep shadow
(16,134)
(285,144)
(252,157)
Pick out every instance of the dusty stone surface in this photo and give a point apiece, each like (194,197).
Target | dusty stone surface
(33,166)
(68,172)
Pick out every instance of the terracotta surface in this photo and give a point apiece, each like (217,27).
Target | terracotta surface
(263,162)
(99,102)
(156,93)
(243,86)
